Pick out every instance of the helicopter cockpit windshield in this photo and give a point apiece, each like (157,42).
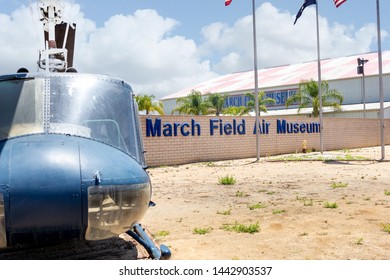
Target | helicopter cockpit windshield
(79,105)
(21,107)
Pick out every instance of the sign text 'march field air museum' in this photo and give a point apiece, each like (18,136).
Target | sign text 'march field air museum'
(172,139)
(157,128)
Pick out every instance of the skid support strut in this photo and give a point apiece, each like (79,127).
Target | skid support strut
(139,234)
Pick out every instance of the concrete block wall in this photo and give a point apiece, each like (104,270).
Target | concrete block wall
(235,138)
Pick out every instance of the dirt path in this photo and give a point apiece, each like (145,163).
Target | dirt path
(289,198)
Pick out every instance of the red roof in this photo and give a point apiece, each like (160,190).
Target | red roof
(287,75)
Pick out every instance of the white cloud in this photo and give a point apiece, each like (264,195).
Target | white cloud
(138,48)
(20,40)
(281,42)
(143,49)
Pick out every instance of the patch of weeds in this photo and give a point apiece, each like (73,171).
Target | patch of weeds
(227,180)
(346,157)
(387,192)
(240,194)
(308,202)
(349,157)
(241,228)
(202,231)
(330,205)
(210,164)
(270,193)
(339,185)
(304,234)
(256,206)
(295,158)
(278,212)
(161,233)
(225,213)
(359,241)
(386,228)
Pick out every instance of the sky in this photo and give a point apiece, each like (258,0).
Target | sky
(163,46)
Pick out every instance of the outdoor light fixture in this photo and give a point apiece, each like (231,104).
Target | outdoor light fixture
(360,70)
(361,62)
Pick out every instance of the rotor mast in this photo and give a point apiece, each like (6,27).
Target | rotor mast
(54,58)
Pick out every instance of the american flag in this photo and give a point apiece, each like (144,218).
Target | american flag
(338,3)
(227,2)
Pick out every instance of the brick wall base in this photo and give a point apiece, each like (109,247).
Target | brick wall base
(172,140)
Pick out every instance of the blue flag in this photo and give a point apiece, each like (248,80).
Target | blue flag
(304,5)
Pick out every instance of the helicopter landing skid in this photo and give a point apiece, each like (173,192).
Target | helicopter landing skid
(140,235)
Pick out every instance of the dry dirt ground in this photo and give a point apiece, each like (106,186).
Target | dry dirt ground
(196,216)
(283,197)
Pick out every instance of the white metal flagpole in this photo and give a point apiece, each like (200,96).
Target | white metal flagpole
(256,82)
(319,81)
(305,4)
(381,94)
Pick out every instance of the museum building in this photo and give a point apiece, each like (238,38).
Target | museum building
(356,77)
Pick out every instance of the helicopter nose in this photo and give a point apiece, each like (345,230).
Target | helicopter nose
(45,188)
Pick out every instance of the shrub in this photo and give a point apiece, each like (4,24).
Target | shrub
(227,180)
(330,205)
(252,228)
(201,231)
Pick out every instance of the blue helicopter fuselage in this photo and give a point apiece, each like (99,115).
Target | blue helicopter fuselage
(71,158)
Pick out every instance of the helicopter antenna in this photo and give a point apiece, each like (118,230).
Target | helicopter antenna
(54,58)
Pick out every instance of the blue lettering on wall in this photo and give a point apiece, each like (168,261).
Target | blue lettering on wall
(195,125)
(227,128)
(220,127)
(235,101)
(246,100)
(280,97)
(153,130)
(169,130)
(263,127)
(283,127)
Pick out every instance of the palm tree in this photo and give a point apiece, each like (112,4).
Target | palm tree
(217,101)
(236,111)
(262,102)
(146,103)
(308,96)
(193,104)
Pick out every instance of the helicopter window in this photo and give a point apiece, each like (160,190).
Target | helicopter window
(21,107)
(93,108)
